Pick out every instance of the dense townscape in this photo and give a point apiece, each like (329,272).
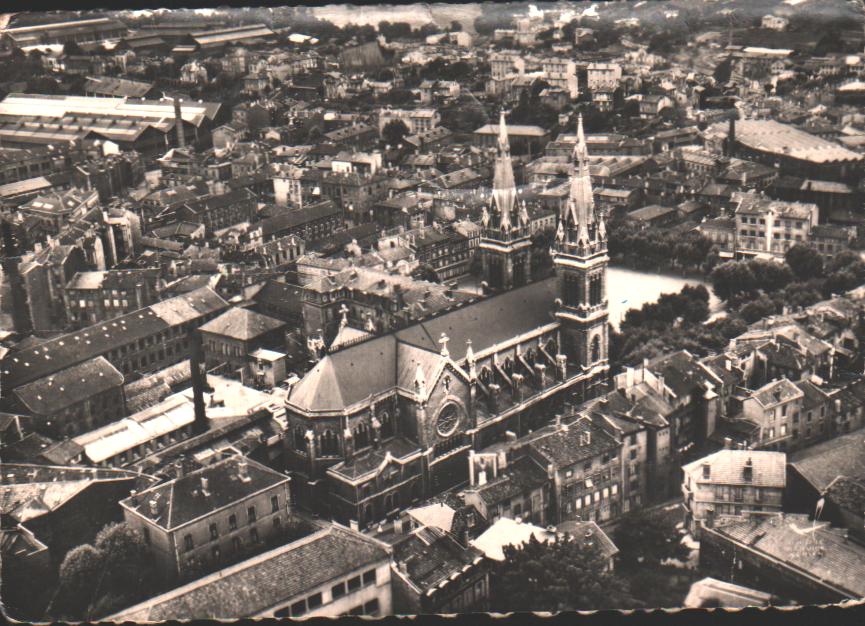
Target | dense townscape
(435,309)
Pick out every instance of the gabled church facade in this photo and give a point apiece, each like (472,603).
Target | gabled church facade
(387,422)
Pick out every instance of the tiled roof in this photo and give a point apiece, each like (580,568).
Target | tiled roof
(260,583)
(817,551)
(727,468)
(774,393)
(782,139)
(432,557)
(567,444)
(372,459)
(55,354)
(822,463)
(183,499)
(242,324)
(519,478)
(68,387)
(587,533)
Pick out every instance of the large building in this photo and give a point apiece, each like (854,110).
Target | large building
(331,572)
(145,340)
(732,483)
(77,31)
(794,152)
(377,438)
(146,126)
(210,517)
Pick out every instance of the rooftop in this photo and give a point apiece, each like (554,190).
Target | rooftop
(69,387)
(823,463)
(256,585)
(242,324)
(817,551)
(182,500)
(727,468)
(429,558)
(786,140)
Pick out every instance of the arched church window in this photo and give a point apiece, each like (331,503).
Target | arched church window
(361,435)
(486,375)
(299,439)
(552,347)
(386,424)
(596,349)
(531,356)
(328,443)
(508,366)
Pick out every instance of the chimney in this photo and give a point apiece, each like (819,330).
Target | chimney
(204,486)
(133,496)
(199,380)
(178,123)
(154,508)
(731,136)
(728,443)
(243,469)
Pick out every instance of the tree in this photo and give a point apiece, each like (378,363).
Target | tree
(757,309)
(394,132)
(804,261)
(126,559)
(79,578)
(559,575)
(642,537)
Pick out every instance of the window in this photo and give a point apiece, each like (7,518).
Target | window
(371,607)
(146,532)
(276,523)
(274,504)
(238,544)
(214,531)
(707,471)
(354,583)
(633,454)
(188,543)
(597,496)
(614,489)
(338,591)
(250,513)
(369,577)
(232,521)
(298,608)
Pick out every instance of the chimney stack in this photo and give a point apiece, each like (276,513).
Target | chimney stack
(178,123)
(204,486)
(242,469)
(198,381)
(133,496)
(728,443)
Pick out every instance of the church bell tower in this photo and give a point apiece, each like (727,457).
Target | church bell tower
(580,259)
(505,246)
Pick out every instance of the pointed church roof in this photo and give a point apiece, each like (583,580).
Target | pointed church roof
(504,187)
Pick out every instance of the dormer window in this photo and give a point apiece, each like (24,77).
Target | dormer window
(707,471)
(748,471)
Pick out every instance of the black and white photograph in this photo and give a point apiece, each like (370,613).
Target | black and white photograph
(432,309)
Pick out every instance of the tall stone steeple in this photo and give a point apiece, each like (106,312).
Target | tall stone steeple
(580,258)
(504,188)
(505,244)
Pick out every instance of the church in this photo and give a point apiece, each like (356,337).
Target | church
(389,421)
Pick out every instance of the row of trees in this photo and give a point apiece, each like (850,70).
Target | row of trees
(655,249)
(757,288)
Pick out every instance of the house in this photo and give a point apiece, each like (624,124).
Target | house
(93,297)
(210,517)
(732,482)
(774,408)
(231,338)
(787,555)
(433,574)
(351,576)
(518,490)
(75,399)
(654,216)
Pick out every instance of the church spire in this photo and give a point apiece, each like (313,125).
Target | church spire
(579,217)
(504,187)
